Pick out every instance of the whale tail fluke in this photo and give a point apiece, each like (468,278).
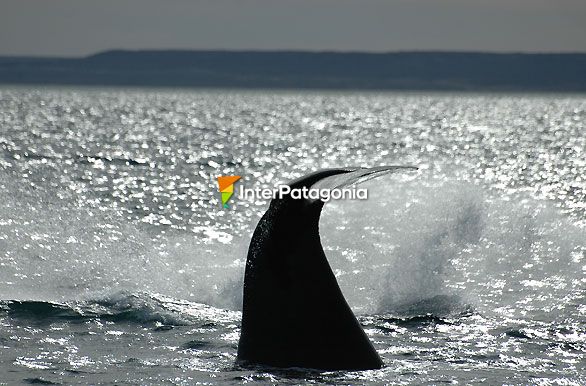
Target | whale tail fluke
(294,313)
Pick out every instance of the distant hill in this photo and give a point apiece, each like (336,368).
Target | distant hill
(307,70)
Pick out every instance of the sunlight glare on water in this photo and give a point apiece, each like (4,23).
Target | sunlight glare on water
(118,264)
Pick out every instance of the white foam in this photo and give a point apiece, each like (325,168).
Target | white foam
(416,240)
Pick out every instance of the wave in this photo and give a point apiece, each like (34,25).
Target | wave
(141,308)
(437,306)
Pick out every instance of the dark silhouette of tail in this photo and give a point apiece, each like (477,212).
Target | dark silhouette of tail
(294,314)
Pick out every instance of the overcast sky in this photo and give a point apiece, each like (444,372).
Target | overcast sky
(81,27)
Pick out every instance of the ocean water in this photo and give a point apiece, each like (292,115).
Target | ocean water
(119,266)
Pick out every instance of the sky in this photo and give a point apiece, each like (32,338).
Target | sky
(75,28)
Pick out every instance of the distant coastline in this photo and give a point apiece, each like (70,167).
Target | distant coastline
(417,71)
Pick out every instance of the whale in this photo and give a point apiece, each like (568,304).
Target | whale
(294,313)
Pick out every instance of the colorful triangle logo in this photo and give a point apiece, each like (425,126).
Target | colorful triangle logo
(226,187)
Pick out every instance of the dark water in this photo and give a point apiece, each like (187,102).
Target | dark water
(118,265)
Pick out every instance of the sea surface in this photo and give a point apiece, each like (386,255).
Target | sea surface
(118,264)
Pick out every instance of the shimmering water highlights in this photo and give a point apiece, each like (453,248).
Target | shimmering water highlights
(118,264)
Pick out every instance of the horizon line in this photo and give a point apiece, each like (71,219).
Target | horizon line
(283,51)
